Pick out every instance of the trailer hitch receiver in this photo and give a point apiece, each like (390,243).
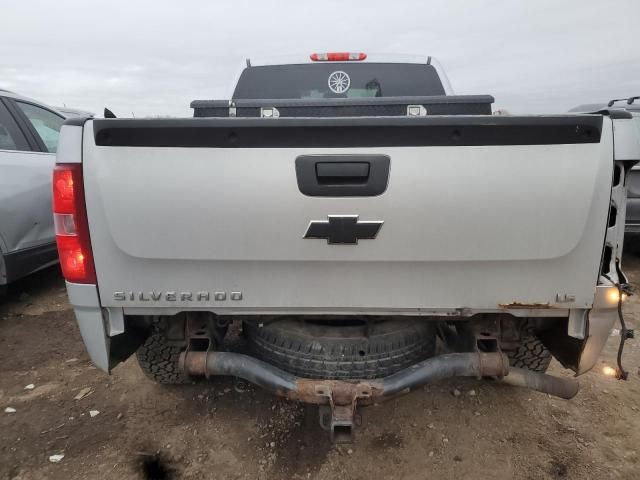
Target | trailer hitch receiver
(339,415)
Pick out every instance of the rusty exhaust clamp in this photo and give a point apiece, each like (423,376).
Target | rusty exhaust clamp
(341,397)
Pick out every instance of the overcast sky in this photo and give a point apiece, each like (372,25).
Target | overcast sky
(154,57)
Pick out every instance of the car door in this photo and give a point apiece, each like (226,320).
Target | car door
(28,140)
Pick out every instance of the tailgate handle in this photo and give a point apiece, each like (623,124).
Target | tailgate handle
(342,175)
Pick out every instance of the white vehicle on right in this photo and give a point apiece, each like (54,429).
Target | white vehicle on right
(631,105)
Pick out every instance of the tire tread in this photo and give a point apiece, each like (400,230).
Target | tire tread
(328,357)
(158,360)
(531,354)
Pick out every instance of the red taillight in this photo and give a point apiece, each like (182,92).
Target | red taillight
(338,57)
(70,221)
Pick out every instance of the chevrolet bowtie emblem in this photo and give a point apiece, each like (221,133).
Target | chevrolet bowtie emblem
(343,229)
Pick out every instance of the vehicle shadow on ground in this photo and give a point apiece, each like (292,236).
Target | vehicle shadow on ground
(34,285)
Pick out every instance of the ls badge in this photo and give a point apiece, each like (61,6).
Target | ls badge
(343,229)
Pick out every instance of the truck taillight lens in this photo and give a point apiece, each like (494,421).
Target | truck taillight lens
(338,57)
(71,226)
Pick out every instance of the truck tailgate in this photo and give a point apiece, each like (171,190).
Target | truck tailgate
(478,213)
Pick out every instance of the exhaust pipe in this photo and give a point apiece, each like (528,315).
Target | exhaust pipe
(340,397)
(262,374)
(479,364)
(279,382)
(566,388)
(282,383)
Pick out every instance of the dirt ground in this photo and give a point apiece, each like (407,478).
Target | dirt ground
(230,430)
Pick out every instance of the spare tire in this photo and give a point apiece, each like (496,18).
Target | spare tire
(349,349)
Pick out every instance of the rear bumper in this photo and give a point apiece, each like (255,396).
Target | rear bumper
(98,325)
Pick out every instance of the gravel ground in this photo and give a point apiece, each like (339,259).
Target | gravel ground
(230,430)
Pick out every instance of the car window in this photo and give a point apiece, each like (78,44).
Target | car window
(45,122)
(10,136)
(6,141)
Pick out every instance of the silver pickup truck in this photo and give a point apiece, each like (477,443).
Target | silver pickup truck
(350,212)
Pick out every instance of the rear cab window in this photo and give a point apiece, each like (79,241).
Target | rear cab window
(46,124)
(338,80)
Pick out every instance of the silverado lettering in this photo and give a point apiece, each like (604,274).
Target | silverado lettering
(201,296)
